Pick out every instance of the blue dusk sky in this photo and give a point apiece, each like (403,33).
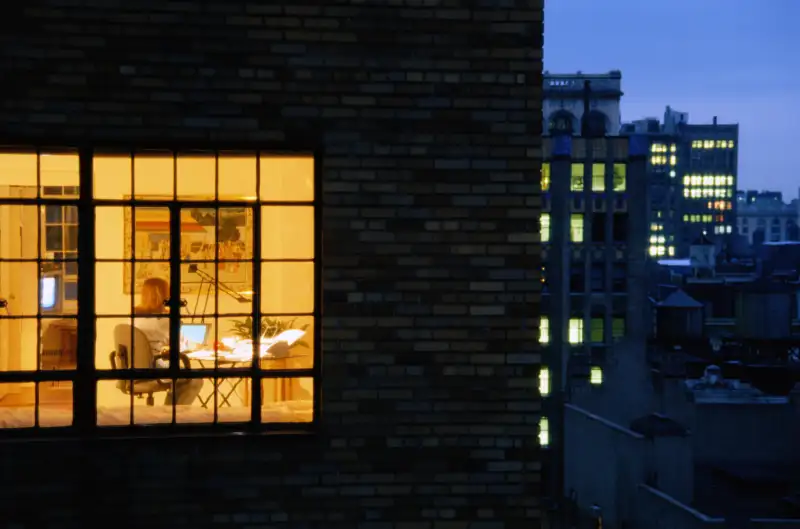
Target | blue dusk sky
(738,60)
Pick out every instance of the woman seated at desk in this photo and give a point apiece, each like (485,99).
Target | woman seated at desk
(154,292)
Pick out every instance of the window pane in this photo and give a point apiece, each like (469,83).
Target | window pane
(19,226)
(619,176)
(544,330)
(149,237)
(237,177)
(18,344)
(545,176)
(235,234)
(18,401)
(544,227)
(287,288)
(196,176)
(598,177)
(597,330)
(576,227)
(19,288)
(113,292)
(575,330)
(112,176)
(17,174)
(576,181)
(59,170)
(105,352)
(153,175)
(287,178)
(287,342)
(287,232)
(198,288)
(59,344)
(287,400)
(198,234)
(112,232)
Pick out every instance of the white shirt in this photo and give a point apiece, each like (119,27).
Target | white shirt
(157,332)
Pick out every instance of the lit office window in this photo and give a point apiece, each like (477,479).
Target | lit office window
(596,331)
(575,330)
(544,330)
(619,176)
(544,432)
(544,227)
(576,177)
(545,176)
(184,243)
(598,177)
(617,328)
(596,376)
(544,381)
(576,227)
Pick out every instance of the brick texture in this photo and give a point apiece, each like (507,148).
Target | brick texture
(428,117)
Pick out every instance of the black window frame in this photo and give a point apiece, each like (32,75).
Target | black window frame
(85,376)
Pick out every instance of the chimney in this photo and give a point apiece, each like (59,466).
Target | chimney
(587,93)
(715,120)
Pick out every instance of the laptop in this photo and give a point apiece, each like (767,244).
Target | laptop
(194,333)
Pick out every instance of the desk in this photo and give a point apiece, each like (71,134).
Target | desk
(281,387)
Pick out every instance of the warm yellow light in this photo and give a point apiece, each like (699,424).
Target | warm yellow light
(544,432)
(544,381)
(596,376)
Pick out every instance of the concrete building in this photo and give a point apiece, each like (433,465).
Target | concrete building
(361,176)
(718,444)
(563,107)
(763,216)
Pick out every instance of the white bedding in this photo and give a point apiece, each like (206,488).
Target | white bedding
(282,412)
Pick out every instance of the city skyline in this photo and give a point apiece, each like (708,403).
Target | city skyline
(677,63)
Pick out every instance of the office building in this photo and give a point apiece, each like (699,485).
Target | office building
(763,216)
(693,175)
(595,197)
(339,199)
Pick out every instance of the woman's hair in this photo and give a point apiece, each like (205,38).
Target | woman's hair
(154,292)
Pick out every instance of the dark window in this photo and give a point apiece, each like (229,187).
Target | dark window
(599,227)
(620,227)
(598,277)
(577,279)
(619,278)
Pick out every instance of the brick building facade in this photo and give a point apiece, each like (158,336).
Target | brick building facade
(425,121)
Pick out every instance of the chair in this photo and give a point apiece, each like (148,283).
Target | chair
(134,352)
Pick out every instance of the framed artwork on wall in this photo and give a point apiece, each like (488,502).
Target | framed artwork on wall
(209,238)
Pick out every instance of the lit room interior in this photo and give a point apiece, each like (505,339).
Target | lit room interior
(138,200)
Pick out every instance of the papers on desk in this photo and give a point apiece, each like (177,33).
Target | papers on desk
(243,350)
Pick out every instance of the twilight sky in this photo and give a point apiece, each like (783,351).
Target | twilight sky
(735,59)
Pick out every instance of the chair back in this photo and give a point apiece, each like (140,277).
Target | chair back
(133,349)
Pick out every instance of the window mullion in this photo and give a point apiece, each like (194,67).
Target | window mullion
(84,389)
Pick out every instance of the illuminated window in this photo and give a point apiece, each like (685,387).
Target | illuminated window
(575,330)
(576,180)
(174,236)
(673,148)
(598,177)
(545,176)
(618,328)
(576,227)
(596,376)
(619,176)
(544,432)
(544,381)
(544,330)
(730,144)
(596,330)
(671,251)
(544,227)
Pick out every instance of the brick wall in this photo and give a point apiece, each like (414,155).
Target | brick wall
(428,116)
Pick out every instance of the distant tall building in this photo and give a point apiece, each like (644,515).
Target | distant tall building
(763,216)
(709,179)
(692,173)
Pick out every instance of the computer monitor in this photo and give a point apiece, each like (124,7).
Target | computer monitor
(195,333)
(50,293)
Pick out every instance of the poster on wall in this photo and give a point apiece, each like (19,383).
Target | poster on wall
(205,233)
